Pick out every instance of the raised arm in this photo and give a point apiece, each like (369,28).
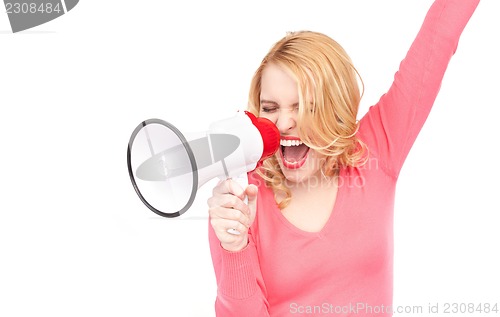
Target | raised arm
(392,125)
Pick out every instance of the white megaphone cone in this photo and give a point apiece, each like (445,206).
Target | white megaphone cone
(166,169)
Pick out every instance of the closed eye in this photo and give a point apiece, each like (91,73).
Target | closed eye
(268,109)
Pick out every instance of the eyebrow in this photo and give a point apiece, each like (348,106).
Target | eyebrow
(275,103)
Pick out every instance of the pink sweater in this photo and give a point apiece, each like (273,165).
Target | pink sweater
(346,269)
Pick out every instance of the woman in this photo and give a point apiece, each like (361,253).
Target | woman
(316,233)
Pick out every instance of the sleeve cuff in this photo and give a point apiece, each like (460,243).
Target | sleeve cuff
(238,278)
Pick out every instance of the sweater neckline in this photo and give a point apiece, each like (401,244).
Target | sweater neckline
(329,223)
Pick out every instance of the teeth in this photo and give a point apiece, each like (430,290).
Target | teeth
(290,142)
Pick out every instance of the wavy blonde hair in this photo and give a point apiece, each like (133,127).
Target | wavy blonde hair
(329,97)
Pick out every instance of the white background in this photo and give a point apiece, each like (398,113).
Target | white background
(75,240)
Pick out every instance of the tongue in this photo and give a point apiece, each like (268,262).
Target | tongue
(294,153)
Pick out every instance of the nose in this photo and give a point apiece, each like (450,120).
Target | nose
(286,121)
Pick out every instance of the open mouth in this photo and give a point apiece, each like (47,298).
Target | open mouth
(293,152)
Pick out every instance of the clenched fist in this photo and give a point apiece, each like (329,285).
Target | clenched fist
(230,216)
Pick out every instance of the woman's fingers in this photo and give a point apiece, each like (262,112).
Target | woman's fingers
(228,201)
(221,227)
(232,214)
(229,186)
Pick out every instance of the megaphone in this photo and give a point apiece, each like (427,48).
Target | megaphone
(166,168)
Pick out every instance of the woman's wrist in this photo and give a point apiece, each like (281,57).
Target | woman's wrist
(235,247)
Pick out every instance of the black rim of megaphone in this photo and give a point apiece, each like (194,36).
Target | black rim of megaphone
(191,158)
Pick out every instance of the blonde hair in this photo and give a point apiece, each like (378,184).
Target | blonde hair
(329,98)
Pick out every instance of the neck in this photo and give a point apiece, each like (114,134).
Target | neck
(313,186)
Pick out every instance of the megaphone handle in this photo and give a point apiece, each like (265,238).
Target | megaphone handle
(243,181)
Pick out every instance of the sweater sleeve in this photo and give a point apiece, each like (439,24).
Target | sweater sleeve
(240,287)
(391,126)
